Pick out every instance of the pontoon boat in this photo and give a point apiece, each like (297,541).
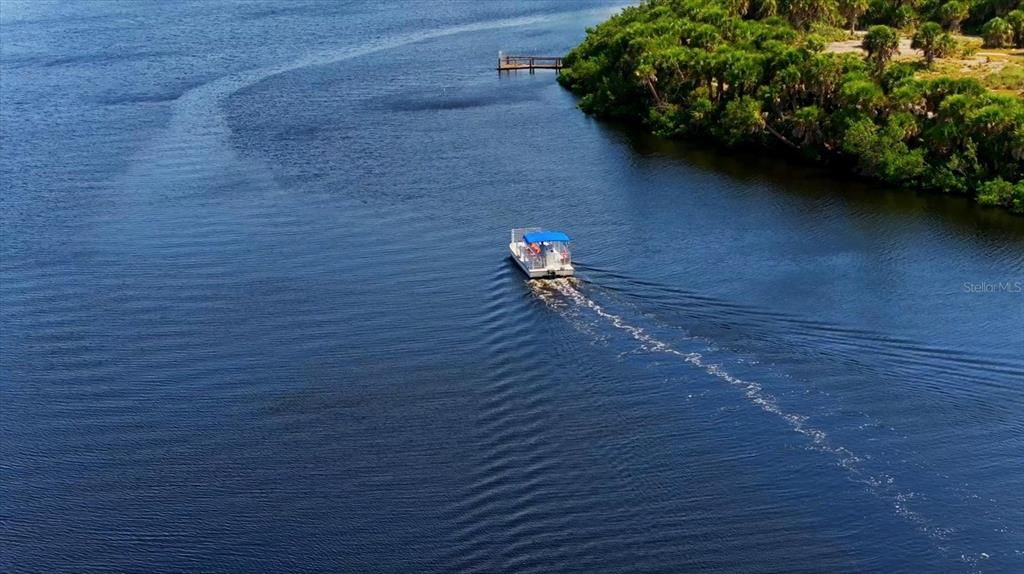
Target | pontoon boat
(541,253)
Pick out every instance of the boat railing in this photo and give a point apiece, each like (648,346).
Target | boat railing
(562,254)
(534,261)
(519,232)
(553,256)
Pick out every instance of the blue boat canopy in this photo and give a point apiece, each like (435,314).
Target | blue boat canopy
(540,236)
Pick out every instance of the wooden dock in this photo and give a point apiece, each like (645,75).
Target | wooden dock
(508,63)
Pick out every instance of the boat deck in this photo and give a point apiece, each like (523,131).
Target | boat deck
(541,253)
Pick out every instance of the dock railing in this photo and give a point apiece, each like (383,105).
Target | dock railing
(507,62)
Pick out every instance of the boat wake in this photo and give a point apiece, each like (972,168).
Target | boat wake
(567,297)
(754,392)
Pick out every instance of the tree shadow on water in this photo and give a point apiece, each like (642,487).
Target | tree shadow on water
(774,171)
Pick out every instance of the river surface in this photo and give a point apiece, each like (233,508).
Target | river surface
(257,315)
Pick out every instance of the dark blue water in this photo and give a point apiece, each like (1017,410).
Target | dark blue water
(257,316)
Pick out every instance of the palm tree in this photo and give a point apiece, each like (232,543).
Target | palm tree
(881,43)
(997,33)
(852,10)
(1016,21)
(803,13)
(933,42)
(648,77)
(738,7)
(953,13)
(767,8)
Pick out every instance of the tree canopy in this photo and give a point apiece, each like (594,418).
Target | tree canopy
(997,33)
(933,42)
(881,43)
(953,13)
(730,72)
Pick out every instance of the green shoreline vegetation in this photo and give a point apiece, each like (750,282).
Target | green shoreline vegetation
(759,73)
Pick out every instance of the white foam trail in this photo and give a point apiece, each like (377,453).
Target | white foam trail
(882,486)
(753,391)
